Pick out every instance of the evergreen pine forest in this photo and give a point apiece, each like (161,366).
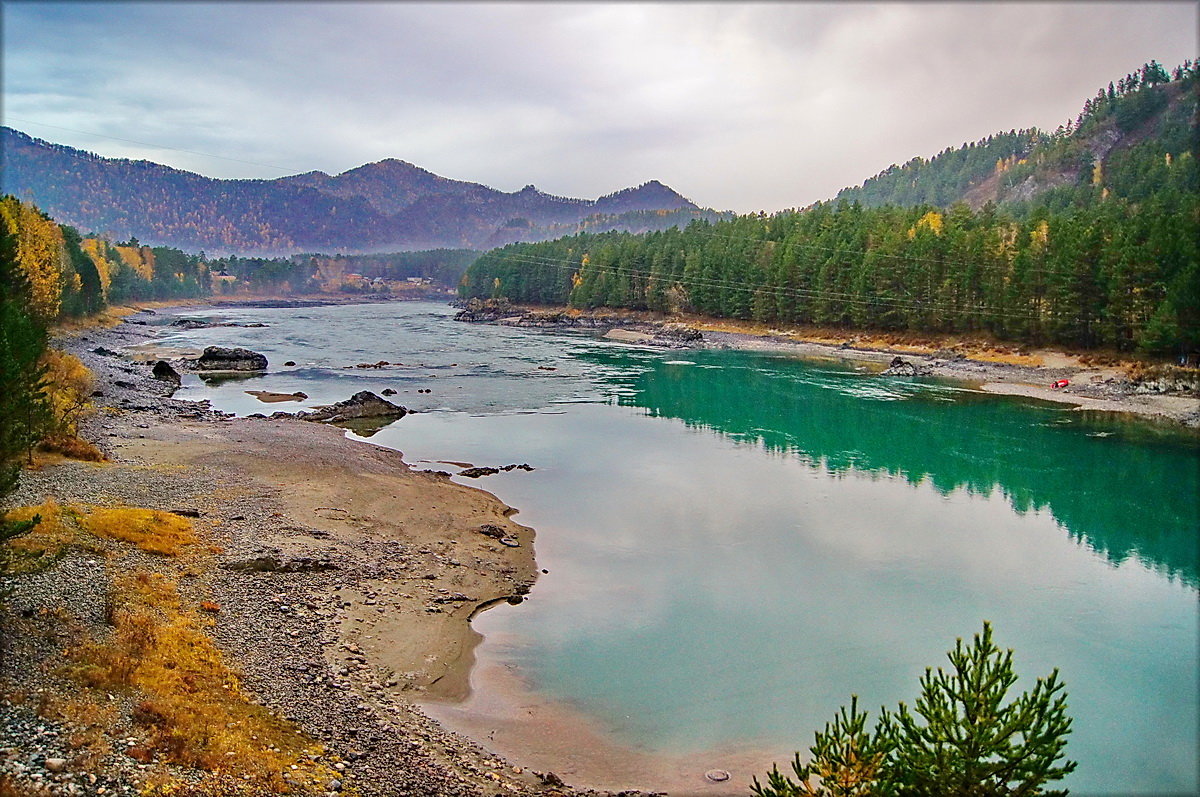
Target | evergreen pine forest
(1102,254)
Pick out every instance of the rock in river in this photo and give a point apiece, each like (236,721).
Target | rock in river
(219,358)
(363,404)
(902,367)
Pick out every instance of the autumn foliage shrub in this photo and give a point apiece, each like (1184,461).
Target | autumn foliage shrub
(68,388)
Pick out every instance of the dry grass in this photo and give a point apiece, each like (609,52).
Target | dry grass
(1140,371)
(149,529)
(105,319)
(88,718)
(41,545)
(156,654)
(11,788)
(72,447)
(172,684)
(193,712)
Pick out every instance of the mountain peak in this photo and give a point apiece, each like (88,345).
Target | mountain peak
(650,195)
(387,205)
(389,167)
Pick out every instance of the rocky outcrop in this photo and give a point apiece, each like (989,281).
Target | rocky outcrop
(163,370)
(277,562)
(363,404)
(485,310)
(196,323)
(902,367)
(679,332)
(475,473)
(667,334)
(1167,380)
(219,358)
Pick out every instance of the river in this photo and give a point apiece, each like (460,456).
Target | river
(736,542)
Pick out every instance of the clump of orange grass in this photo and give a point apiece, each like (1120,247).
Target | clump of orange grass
(193,711)
(187,702)
(42,544)
(150,530)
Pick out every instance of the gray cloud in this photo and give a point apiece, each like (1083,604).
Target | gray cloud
(738,105)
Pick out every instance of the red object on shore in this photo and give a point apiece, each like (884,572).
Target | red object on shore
(1060,383)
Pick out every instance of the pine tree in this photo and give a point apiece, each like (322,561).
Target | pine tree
(968,740)
(845,761)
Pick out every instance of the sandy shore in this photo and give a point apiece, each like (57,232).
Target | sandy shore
(1091,388)
(345,581)
(981,365)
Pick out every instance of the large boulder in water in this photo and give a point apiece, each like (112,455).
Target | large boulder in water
(219,358)
(363,404)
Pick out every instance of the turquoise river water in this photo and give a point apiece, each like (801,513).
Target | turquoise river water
(736,542)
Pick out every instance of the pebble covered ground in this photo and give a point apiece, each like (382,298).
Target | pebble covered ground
(278,629)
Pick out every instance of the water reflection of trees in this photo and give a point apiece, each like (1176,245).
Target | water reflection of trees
(1122,489)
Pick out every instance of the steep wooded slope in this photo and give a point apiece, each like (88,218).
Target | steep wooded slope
(1114,143)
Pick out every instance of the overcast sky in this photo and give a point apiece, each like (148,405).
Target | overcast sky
(742,106)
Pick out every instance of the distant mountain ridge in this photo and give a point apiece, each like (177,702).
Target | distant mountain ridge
(390,205)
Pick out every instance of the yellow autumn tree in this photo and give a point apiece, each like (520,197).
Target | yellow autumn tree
(931,221)
(138,258)
(40,254)
(68,391)
(1039,236)
(96,249)
(1005,246)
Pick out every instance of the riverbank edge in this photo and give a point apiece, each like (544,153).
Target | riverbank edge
(1096,382)
(296,634)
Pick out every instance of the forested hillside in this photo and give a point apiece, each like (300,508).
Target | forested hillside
(319,273)
(1111,260)
(71,276)
(49,274)
(1122,140)
(380,207)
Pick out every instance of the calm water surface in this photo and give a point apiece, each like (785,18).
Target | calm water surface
(737,542)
